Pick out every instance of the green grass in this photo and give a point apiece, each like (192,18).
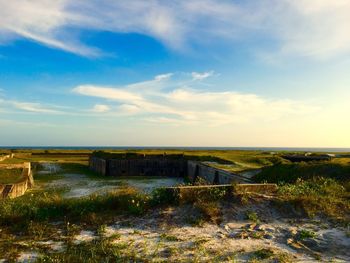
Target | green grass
(291,172)
(101,250)
(317,188)
(253,216)
(10,176)
(48,206)
(318,196)
(263,253)
(303,234)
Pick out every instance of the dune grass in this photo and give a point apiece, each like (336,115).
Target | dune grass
(317,188)
(318,197)
(290,172)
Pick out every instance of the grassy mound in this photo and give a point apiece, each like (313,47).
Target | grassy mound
(10,176)
(291,172)
(315,188)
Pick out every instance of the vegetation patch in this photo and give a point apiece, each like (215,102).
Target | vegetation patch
(313,188)
(318,196)
(10,176)
(50,205)
(291,172)
(253,216)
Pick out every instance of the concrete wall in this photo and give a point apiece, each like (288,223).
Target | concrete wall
(17,189)
(98,165)
(212,175)
(147,167)
(13,165)
(4,157)
(139,167)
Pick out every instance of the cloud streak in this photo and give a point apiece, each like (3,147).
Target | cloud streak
(313,28)
(29,107)
(193,106)
(202,76)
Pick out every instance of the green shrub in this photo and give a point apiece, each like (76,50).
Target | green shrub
(163,196)
(252,216)
(263,253)
(303,234)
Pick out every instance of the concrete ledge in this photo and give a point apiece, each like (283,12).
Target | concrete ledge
(4,157)
(17,189)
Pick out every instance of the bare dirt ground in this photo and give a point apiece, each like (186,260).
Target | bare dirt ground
(79,185)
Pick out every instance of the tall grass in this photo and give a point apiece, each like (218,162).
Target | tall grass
(46,206)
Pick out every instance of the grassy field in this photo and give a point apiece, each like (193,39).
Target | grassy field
(235,161)
(9,176)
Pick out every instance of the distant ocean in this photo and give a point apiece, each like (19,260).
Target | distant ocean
(301,149)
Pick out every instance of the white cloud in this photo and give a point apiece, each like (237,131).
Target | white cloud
(314,28)
(163,77)
(187,106)
(42,21)
(201,76)
(29,107)
(99,108)
(107,93)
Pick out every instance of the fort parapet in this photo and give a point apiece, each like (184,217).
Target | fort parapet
(160,165)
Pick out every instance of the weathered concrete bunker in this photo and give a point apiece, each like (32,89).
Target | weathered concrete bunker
(160,165)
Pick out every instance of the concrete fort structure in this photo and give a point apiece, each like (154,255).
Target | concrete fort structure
(17,189)
(160,165)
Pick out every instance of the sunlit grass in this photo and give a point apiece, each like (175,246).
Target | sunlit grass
(10,176)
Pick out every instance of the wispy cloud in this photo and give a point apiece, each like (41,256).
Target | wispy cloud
(6,123)
(193,106)
(314,28)
(99,108)
(29,107)
(201,76)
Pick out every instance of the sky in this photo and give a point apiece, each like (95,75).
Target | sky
(229,73)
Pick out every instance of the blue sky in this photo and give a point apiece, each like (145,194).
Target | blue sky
(179,73)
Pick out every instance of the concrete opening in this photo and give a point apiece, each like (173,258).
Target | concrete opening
(216,178)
